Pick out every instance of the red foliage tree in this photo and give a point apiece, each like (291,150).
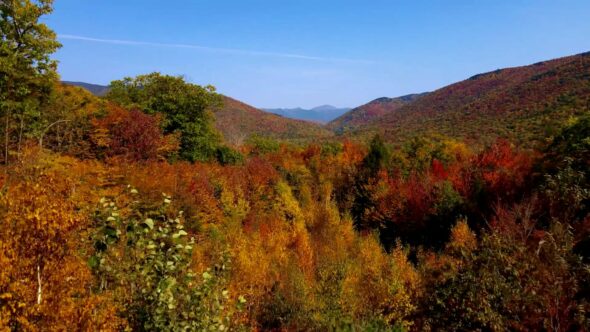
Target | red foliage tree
(132,134)
(438,170)
(504,170)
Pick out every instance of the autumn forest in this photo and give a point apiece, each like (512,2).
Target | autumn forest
(163,205)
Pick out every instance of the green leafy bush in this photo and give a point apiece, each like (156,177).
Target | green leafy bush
(144,255)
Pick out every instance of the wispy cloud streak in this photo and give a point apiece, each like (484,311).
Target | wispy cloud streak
(210,49)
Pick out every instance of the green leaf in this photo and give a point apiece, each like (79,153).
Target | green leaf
(179,234)
(149,223)
(110,231)
(93,262)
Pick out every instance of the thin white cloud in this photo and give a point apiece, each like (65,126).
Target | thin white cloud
(210,49)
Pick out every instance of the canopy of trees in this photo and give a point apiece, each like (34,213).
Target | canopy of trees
(185,108)
(130,213)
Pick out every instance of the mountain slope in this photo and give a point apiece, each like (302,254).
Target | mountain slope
(364,114)
(320,114)
(237,121)
(97,90)
(525,104)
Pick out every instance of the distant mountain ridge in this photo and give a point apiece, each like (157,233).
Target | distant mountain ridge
(238,121)
(320,114)
(526,104)
(96,89)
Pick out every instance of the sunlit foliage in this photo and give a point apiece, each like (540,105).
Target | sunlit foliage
(132,213)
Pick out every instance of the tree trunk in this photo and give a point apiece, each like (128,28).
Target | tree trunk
(6,128)
(58,137)
(46,129)
(20,134)
(39,289)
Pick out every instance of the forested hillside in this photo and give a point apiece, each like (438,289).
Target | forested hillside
(238,122)
(370,112)
(524,104)
(133,212)
(96,89)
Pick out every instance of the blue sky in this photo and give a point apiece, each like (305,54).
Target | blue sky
(288,53)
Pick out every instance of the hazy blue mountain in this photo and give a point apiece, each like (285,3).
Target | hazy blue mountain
(97,90)
(321,114)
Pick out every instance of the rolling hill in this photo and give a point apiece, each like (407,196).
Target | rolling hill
(366,113)
(525,104)
(237,121)
(97,90)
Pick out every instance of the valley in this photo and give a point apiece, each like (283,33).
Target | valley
(155,203)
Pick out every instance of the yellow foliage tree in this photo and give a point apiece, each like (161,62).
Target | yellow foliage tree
(44,284)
